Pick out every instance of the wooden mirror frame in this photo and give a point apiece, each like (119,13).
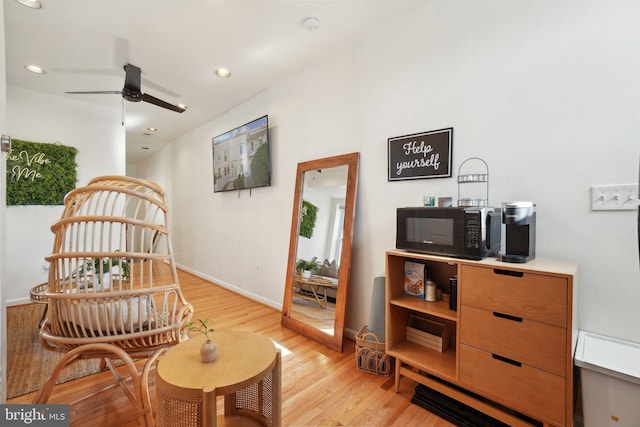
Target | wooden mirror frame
(332,341)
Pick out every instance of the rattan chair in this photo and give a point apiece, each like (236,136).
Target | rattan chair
(113,290)
(37,296)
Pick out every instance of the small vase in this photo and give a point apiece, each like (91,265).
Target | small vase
(208,352)
(306,274)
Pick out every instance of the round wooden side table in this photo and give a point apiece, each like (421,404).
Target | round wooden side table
(247,372)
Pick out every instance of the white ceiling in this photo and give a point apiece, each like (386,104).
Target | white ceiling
(84,44)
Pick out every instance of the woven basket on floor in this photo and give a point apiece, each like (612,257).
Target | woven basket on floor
(370,354)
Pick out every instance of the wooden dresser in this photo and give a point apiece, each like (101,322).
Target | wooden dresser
(512,337)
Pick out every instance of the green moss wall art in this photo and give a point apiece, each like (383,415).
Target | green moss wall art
(39,173)
(308,222)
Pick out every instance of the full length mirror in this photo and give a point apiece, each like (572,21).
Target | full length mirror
(319,262)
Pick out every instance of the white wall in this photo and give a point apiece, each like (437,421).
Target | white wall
(545,92)
(98,135)
(3,217)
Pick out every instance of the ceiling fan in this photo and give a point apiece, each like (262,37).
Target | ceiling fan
(131,90)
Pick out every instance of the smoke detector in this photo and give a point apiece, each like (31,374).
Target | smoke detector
(311,23)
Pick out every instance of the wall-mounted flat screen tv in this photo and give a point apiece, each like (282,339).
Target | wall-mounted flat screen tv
(241,157)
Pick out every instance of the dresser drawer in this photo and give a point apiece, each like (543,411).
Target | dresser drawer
(529,390)
(527,295)
(533,343)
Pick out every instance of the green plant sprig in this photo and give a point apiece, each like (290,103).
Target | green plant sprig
(103,265)
(310,265)
(202,327)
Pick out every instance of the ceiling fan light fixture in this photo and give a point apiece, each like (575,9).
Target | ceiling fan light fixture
(33,4)
(35,69)
(223,73)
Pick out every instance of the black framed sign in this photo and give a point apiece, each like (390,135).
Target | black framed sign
(421,155)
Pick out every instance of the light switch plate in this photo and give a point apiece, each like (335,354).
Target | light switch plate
(621,197)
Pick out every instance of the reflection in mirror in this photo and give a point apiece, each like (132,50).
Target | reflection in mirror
(319,242)
(320,248)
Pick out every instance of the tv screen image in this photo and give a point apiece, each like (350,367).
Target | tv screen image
(241,157)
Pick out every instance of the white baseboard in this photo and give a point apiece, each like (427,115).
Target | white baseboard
(244,292)
(348,333)
(18,301)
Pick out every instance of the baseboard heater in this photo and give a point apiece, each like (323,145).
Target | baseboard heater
(456,412)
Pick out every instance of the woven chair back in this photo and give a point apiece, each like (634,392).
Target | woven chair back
(112,276)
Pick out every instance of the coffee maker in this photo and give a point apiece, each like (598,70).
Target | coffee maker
(518,232)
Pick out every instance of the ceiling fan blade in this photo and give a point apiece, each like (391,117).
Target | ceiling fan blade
(98,92)
(160,103)
(131,90)
(132,78)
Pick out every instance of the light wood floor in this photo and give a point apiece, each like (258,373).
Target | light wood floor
(319,386)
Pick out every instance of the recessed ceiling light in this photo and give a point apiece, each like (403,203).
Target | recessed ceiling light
(33,4)
(152,129)
(223,72)
(35,69)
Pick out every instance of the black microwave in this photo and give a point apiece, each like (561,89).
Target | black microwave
(464,232)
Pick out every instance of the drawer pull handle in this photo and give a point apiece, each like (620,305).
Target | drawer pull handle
(508,272)
(506,360)
(507,316)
